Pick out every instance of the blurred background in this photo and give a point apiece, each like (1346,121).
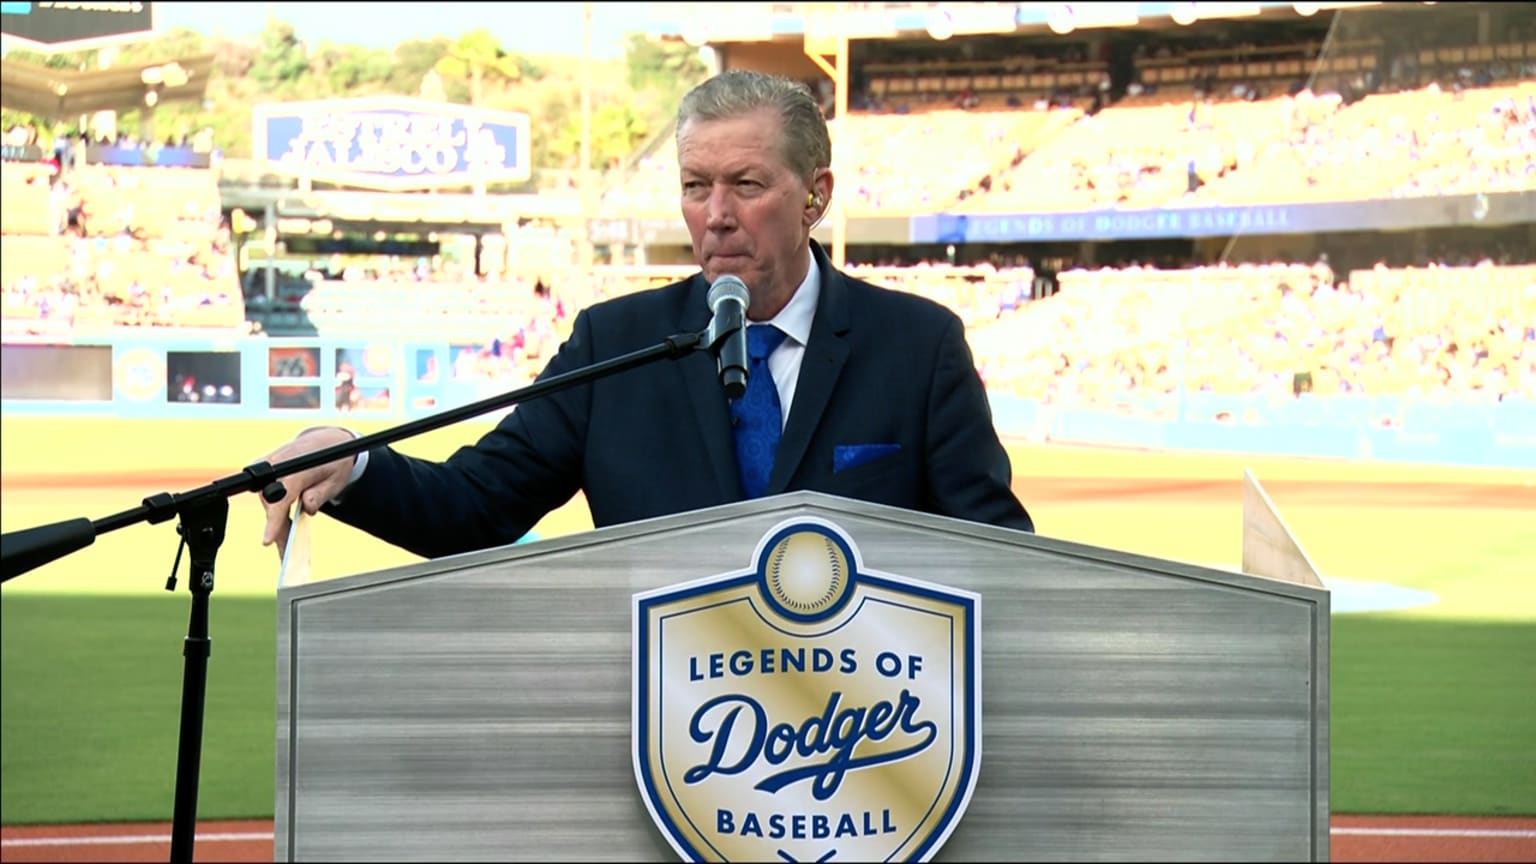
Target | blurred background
(1185,225)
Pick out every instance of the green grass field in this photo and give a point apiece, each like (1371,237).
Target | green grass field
(1431,706)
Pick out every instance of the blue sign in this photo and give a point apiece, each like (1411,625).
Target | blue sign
(393,143)
(1395,214)
(329,379)
(165,157)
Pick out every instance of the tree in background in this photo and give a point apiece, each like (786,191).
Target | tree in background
(351,69)
(281,60)
(479,58)
(414,60)
(657,65)
(617,129)
(633,98)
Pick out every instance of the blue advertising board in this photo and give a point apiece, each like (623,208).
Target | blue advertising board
(392,143)
(334,379)
(1179,220)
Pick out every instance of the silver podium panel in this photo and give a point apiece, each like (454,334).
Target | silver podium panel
(478,707)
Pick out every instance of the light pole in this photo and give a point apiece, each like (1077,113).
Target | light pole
(825,33)
(584,177)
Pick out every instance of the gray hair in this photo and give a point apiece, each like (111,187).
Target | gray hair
(806,143)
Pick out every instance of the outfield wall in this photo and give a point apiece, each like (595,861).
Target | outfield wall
(319,380)
(1370,428)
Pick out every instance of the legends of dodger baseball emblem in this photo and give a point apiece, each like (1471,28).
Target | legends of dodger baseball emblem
(806,708)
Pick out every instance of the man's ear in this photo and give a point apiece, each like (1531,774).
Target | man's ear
(819,197)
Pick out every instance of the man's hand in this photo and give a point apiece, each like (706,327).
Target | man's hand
(311,488)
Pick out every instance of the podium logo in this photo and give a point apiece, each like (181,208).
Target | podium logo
(806,709)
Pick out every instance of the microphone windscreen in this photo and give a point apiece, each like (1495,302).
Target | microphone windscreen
(727,287)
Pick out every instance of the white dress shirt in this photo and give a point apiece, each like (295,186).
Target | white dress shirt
(795,320)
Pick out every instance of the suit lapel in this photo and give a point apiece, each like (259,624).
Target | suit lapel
(701,379)
(819,370)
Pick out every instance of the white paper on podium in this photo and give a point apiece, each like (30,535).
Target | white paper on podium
(295,567)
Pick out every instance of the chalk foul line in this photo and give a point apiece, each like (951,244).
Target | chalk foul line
(254,836)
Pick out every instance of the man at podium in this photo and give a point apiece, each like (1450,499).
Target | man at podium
(851,389)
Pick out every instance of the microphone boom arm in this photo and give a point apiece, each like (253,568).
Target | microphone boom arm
(204,513)
(27,549)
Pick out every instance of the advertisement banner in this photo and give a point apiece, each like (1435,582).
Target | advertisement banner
(392,143)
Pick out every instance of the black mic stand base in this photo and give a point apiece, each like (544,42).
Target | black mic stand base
(202,528)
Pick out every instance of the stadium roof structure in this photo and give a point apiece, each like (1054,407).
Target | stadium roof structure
(61,94)
(771,21)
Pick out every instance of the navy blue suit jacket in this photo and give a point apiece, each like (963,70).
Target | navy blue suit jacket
(882,367)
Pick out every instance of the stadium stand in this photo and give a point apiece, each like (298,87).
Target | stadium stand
(99,247)
(1254,329)
(1368,106)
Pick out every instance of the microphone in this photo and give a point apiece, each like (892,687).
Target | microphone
(728,301)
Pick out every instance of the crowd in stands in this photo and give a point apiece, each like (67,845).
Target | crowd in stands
(1237,124)
(501,328)
(1461,329)
(1295,148)
(72,147)
(95,247)
(1270,331)
(90,247)
(1288,149)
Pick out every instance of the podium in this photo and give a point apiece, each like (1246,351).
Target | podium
(484,706)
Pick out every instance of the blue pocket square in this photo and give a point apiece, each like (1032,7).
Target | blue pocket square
(846,456)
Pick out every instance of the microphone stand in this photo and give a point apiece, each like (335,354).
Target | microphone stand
(204,512)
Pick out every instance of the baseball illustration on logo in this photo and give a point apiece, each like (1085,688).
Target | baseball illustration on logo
(806,708)
(807,573)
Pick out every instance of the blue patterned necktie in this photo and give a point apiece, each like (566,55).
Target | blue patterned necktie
(757,417)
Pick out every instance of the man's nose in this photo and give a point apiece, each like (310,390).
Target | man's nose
(721,210)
